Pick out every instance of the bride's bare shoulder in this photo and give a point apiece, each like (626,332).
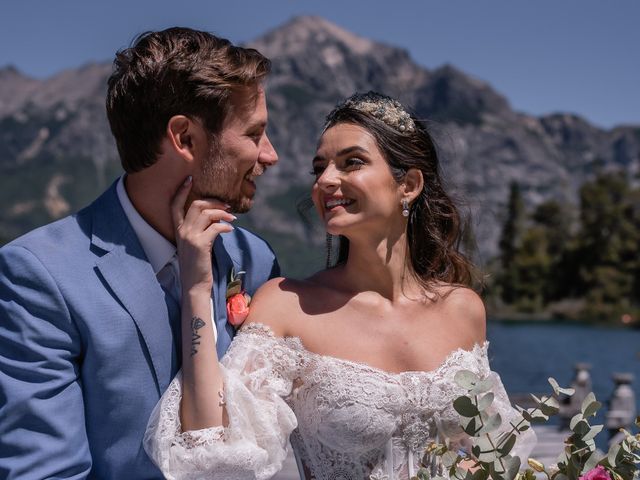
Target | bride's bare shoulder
(464,310)
(278,303)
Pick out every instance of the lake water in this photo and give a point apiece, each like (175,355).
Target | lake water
(526,354)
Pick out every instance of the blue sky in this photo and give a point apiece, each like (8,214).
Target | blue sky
(579,56)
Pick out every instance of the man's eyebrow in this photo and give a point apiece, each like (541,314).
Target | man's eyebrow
(344,151)
(261,125)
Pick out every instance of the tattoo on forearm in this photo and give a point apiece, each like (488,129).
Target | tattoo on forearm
(196,324)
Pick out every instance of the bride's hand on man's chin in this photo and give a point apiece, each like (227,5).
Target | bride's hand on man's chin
(195,232)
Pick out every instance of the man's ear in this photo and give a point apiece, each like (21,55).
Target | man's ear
(183,135)
(412,184)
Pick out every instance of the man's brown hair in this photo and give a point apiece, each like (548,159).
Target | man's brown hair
(178,71)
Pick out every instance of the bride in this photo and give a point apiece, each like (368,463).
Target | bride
(355,364)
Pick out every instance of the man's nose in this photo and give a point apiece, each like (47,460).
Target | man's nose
(268,155)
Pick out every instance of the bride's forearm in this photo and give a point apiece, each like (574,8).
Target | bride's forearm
(201,405)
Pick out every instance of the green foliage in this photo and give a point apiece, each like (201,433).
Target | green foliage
(510,242)
(491,446)
(547,257)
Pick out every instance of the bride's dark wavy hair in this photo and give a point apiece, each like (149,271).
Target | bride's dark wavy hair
(434,230)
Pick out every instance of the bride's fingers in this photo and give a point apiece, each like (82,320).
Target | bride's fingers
(215,229)
(198,206)
(179,199)
(209,216)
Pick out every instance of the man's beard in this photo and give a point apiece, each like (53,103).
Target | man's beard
(218,178)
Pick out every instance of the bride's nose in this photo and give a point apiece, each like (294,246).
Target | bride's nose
(329,179)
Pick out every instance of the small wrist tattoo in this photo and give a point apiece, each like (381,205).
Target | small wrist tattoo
(196,324)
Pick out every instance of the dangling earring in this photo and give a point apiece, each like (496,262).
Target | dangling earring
(405,208)
(329,248)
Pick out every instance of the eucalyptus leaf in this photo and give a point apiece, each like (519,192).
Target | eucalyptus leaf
(482,386)
(576,462)
(466,379)
(496,473)
(465,407)
(595,430)
(513,465)
(591,408)
(475,450)
(538,416)
(485,443)
(549,406)
(527,416)
(557,389)
(613,454)
(508,445)
(491,424)
(485,401)
(563,458)
(470,426)
(591,463)
(575,419)
(480,474)
(498,466)
(581,428)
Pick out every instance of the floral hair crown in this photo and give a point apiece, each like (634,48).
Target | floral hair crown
(379,106)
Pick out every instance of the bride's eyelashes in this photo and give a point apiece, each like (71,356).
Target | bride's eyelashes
(354,163)
(316,171)
(349,165)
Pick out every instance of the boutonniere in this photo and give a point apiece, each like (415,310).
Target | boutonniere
(237,300)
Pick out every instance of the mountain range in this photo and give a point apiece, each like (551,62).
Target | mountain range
(57,153)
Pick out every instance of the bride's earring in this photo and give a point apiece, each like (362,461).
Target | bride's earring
(405,208)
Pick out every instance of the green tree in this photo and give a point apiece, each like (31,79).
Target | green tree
(608,245)
(555,222)
(531,268)
(509,242)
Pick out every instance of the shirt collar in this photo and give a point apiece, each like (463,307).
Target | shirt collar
(159,250)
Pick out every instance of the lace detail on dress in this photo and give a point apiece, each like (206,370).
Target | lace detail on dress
(353,421)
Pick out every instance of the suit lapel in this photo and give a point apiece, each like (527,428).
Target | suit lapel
(225,259)
(128,274)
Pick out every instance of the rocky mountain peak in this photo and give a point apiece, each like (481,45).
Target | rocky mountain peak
(333,63)
(301,33)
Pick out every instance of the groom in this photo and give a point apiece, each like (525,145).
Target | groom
(89,309)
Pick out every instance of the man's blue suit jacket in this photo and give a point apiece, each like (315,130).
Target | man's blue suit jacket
(86,346)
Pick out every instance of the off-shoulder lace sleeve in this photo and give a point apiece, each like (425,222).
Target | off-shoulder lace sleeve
(258,372)
(477,361)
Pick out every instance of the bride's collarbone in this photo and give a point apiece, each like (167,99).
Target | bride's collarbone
(391,350)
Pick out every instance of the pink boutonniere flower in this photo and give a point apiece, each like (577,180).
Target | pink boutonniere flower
(237,300)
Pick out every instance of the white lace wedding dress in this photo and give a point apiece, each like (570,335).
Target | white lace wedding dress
(353,421)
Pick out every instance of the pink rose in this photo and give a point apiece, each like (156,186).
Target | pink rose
(598,473)
(237,308)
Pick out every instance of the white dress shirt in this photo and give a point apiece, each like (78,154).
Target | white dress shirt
(160,252)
